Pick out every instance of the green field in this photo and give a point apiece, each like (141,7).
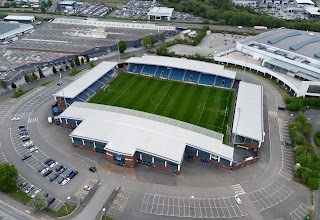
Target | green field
(200,105)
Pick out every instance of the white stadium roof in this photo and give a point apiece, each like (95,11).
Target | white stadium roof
(19,17)
(78,86)
(161,11)
(126,131)
(182,63)
(250,103)
(309,2)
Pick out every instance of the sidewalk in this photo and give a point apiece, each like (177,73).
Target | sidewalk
(21,209)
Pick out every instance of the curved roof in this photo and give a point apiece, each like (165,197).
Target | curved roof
(125,131)
(304,43)
(280,38)
(185,64)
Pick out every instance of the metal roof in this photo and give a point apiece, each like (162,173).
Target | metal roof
(81,84)
(313,10)
(308,2)
(9,29)
(280,38)
(161,11)
(126,131)
(19,17)
(67,2)
(248,117)
(304,43)
(186,64)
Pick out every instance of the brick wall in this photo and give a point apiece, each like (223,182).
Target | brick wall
(249,146)
(245,163)
(61,102)
(85,147)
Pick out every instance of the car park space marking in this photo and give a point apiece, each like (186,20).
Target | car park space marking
(81,192)
(238,189)
(34,119)
(283,129)
(119,202)
(4,110)
(300,212)
(288,161)
(27,109)
(269,196)
(224,207)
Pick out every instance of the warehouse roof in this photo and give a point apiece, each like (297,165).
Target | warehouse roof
(308,2)
(161,11)
(9,29)
(78,86)
(125,131)
(67,2)
(313,10)
(248,117)
(182,63)
(19,17)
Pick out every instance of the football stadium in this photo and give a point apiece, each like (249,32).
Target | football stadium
(156,111)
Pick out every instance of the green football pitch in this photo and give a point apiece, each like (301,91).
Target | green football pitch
(204,106)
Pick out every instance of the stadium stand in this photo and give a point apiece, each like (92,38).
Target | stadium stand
(83,96)
(191,76)
(162,71)
(207,79)
(177,74)
(149,70)
(89,91)
(95,86)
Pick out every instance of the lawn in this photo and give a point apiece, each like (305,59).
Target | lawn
(204,106)
(63,211)
(20,195)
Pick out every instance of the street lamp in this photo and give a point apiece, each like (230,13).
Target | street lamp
(118,40)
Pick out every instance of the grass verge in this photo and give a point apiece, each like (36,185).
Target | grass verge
(46,83)
(20,196)
(20,92)
(106,218)
(65,209)
(74,72)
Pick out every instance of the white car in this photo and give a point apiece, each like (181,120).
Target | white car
(28,143)
(44,170)
(29,189)
(64,182)
(54,164)
(238,200)
(45,68)
(24,136)
(35,193)
(33,149)
(15,119)
(86,187)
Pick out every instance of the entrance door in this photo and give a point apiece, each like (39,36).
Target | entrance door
(119,159)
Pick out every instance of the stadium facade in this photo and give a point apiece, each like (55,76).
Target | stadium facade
(291,57)
(128,137)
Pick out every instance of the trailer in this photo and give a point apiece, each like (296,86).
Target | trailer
(260,28)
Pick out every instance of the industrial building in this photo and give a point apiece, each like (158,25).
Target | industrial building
(11,30)
(248,126)
(304,3)
(160,13)
(178,69)
(65,4)
(20,18)
(313,12)
(291,57)
(252,3)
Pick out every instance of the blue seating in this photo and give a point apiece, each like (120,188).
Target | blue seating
(131,67)
(176,74)
(103,80)
(95,86)
(110,72)
(76,100)
(83,96)
(89,91)
(207,79)
(149,69)
(223,82)
(191,76)
(228,83)
(218,81)
(138,68)
(162,70)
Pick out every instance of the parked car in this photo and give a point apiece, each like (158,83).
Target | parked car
(93,169)
(73,174)
(33,149)
(61,171)
(54,176)
(45,194)
(27,143)
(30,188)
(53,164)
(22,126)
(50,162)
(23,133)
(47,173)
(35,193)
(25,139)
(41,168)
(26,156)
(58,168)
(50,200)
(30,146)
(47,161)
(60,181)
(238,200)
(23,184)
(69,173)
(65,181)
(24,136)
(88,188)
(44,170)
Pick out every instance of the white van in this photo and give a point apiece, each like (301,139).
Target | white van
(50,120)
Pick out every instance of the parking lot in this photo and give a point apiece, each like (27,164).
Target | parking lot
(82,192)
(21,181)
(270,195)
(4,110)
(211,45)
(300,212)
(92,9)
(225,207)
(134,9)
(119,202)
(26,110)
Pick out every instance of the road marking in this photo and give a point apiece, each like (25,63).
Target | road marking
(238,189)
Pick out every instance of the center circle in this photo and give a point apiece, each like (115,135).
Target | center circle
(161,100)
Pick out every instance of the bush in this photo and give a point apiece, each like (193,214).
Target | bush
(313,183)
(317,138)
(298,103)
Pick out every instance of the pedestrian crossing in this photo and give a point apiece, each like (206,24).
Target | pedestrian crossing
(35,119)
(273,113)
(238,189)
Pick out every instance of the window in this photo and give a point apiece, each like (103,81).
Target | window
(77,141)
(172,166)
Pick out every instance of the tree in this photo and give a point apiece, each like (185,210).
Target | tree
(14,86)
(72,64)
(8,177)
(87,58)
(122,46)
(313,183)
(41,73)
(54,70)
(43,8)
(82,60)
(146,41)
(162,37)
(92,64)
(26,77)
(58,7)
(34,76)
(3,84)
(49,3)
(38,203)
(76,60)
